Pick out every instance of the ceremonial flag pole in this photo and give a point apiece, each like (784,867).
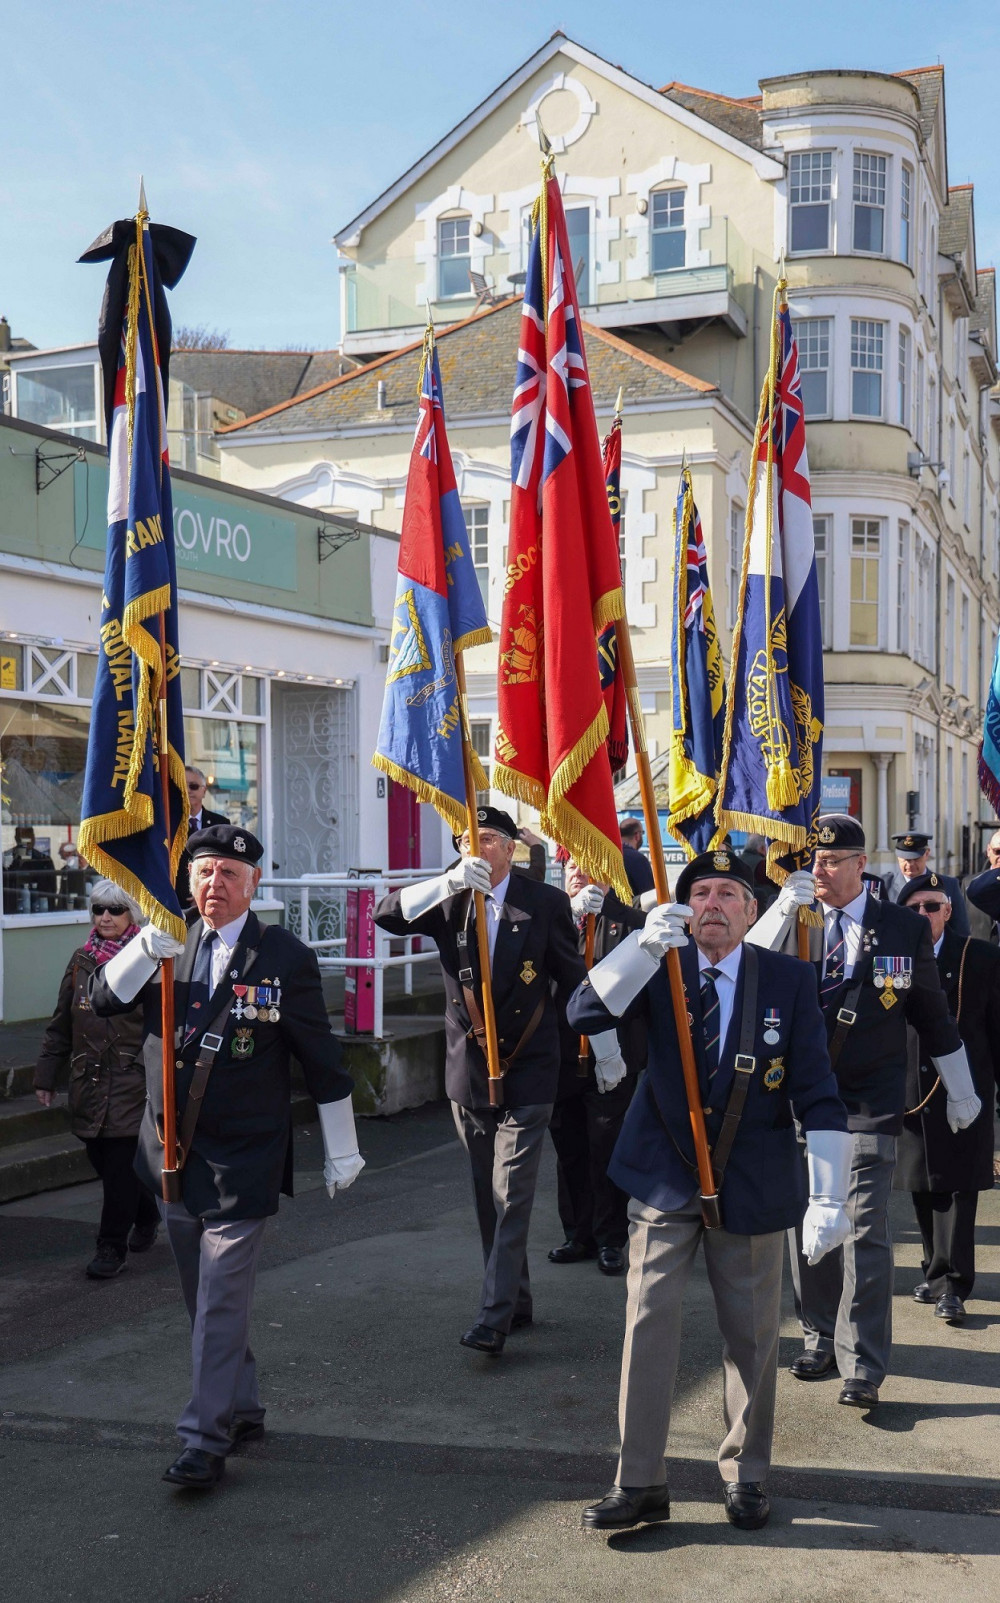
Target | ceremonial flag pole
(134,813)
(438,613)
(771,778)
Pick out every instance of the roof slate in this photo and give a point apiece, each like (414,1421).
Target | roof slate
(929,84)
(477,360)
(984,313)
(738,118)
(252,381)
(956,221)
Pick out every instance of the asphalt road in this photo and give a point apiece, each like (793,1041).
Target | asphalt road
(398,1467)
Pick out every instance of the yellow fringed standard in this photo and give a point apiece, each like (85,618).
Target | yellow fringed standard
(454,813)
(475,637)
(608,609)
(599,858)
(575,761)
(520,787)
(782,785)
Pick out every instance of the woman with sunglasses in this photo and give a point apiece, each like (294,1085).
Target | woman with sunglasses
(107,1083)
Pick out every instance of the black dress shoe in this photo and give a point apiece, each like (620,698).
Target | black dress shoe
(196,1469)
(747,1505)
(107,1262)
(484,1340)
(626,1506)
(951,1308)
(812,1366)
(571,1252)
(859,1394)
(923,1293)
(611,1261)
(142,1237)
(246,1430)
(519,1321)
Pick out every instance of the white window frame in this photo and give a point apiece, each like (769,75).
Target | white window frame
(737,535)
(823,544)
(906,193)
(963,647)
(814,337)
(903,589)
(672,230)
(821,176)
(870,178)
(450,221)
(903,367)
(871,553)
(868,337)
(949,631)
(477,528)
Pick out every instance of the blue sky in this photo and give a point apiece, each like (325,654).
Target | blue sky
(262,128)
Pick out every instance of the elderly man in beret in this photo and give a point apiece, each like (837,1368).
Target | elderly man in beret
(534,963)
(945,1169)
(875,968)
(247,998)
(760,1052)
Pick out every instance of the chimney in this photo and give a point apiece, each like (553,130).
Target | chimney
(380,395)
(4,334)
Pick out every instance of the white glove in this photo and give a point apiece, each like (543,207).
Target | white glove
(158,944)
(609,1065)
(340,1143)
(647,901)
(665,926)
(825,1225)
(589,900)
(799,890)
(963,1104)
(468,873)
(130,969)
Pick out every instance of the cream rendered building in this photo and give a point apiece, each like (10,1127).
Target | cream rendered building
(679,204)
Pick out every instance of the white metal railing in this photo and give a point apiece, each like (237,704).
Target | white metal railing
(312,901)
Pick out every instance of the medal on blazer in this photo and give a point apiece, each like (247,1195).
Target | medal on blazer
(243,1043)
(772,1025)
(239,991)
(892,974)
(775,1074)
(528,971)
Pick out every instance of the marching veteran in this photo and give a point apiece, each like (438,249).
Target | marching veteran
(913,855)
(876,974)
(533,954)
(760,1051)
(247,998)
(944,1169)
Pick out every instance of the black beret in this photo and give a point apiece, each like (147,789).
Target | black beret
(840,829)
(496,818)
(722,864)
(226,840)
(911,844)
(923,882)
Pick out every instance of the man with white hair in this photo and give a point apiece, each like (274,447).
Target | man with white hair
(247,999)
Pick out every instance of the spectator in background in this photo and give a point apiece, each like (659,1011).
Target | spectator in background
(29,876)
(75,876)
(637,867)
(107,1083)
(200,817)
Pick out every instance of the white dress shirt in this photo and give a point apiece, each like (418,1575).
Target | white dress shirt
(851,924)
(494,907)
(937,944)
(224,945)
(728,970)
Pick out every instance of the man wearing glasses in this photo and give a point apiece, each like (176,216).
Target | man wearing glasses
(533,962)
(876,974)
(913,855)
(200,817)
(943,1169)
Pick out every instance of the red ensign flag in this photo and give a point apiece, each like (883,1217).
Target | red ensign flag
(563,579)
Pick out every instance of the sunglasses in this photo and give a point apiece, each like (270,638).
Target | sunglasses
(926,907)
(97,908)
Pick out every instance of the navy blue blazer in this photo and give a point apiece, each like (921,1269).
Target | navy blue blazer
(764,1187)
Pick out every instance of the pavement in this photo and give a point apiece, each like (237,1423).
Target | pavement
(400,1468)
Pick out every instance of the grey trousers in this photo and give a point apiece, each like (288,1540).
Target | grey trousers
(217,1263)
(745,1276)
(844,1302)
(505,1149)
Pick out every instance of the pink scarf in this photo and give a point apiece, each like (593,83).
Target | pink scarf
(102,950)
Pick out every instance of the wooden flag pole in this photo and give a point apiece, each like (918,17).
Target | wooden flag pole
(169,1179)
(710,1213)
(493,1068)
(588,958)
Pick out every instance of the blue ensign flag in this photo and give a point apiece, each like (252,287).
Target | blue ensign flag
(125,831)
(439,611)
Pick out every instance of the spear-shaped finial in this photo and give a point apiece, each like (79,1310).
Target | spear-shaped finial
(781,266)
(143,210)
(544,143)
(619,401)
(684,459)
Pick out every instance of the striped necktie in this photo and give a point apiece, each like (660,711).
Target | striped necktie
(833,976)
(200,987)
(710,1017)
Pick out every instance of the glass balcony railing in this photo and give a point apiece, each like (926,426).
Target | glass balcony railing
(711,260)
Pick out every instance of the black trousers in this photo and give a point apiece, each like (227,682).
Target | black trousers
(584,1129)
(126,1200)
(947,1221)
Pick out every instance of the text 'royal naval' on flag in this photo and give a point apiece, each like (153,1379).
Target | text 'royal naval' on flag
(608,665)
(698,685)
(563,578)
(773,740)
(133,827)
(438,612)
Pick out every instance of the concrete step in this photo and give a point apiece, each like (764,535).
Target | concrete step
(16,1080)
(44,1164)
(23,1119)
